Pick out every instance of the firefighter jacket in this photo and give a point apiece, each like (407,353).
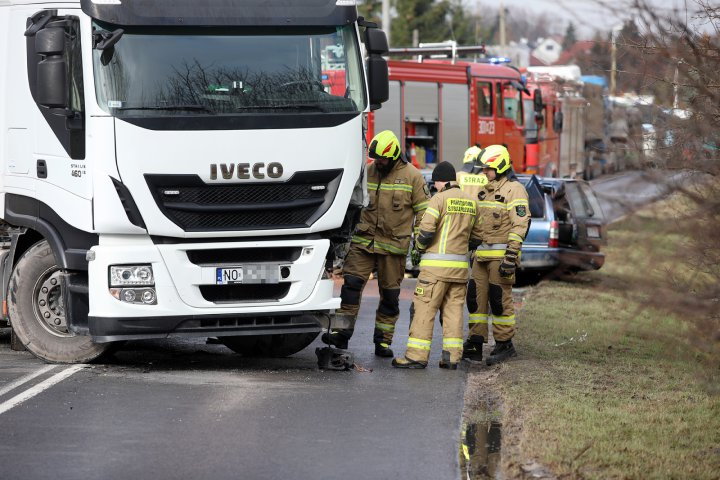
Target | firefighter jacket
(471,183)
(445,233)
(505,213)
(396,200)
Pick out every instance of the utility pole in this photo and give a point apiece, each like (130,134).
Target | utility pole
(676,87)
(613,59)
(502,25)
(386,18)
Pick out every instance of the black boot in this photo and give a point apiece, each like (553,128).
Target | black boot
(383,350)
(501,352)
(337,338)
(445,361)
(472,349)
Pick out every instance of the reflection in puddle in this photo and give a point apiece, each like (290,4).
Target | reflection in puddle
(480,450)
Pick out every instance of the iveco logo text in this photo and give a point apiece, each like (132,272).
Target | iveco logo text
(246,171)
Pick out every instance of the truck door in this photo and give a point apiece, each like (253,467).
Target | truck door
(63,184)
(511,122)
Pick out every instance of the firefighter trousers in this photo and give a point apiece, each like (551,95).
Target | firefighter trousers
(358,266)
(493,295)
(430,296)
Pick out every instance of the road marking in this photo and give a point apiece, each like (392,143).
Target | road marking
(13,385)
(39,388)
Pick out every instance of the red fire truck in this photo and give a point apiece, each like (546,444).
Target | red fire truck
(439,108)
(543,126)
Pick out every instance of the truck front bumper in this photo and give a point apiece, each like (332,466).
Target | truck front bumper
(191,303)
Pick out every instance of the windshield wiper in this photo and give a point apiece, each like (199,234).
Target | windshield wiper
(186,108)
(299,106)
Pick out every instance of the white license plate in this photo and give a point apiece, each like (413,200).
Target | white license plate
(593,232)
(229,276)
(247,274)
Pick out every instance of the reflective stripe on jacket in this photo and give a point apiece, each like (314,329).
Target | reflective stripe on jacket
(396,199)
(505,211)
(450,217)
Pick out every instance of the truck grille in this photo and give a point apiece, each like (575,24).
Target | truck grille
(256,293)
(194,205)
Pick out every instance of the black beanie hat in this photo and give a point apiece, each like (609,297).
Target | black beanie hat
(444,172)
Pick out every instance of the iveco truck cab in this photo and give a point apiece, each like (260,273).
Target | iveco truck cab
(179,167)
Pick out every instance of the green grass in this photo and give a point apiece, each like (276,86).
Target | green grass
(606,386)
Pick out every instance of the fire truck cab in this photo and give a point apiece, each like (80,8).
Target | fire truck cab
(439,108)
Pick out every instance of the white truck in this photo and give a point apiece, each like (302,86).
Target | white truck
(179,168)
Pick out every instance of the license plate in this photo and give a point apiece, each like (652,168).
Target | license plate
(247,274)
(229,276)
(593,232)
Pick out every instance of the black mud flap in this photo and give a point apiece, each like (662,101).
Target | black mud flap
(76,301)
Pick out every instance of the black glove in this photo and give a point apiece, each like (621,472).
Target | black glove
(509,264)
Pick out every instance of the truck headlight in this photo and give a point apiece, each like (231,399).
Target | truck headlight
(131,275)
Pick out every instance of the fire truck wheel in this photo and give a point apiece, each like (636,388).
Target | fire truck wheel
(37,313)
(277,346)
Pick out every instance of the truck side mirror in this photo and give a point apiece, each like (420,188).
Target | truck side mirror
(558,121)
(378,81)
(376,42)
(538,100)
(52,81)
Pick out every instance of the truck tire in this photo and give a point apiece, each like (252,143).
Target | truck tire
(36,310)
(276,346)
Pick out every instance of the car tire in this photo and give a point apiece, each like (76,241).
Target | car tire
(274,346)
(37,313)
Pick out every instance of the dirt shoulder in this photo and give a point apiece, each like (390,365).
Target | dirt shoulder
(604,385)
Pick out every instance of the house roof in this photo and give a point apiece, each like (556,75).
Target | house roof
(536,62)
(583,47)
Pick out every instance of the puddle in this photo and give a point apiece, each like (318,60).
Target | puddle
(480,450)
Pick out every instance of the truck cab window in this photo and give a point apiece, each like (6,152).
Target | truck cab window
(512,104)
(220,71)
(485,99)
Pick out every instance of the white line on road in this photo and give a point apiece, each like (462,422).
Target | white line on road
(13,385)
(39,388)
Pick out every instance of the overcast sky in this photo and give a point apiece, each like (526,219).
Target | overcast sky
(587,15)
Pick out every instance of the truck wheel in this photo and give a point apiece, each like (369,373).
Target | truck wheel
(277,346)
(37,313)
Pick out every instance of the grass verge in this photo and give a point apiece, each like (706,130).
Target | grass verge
(606,386)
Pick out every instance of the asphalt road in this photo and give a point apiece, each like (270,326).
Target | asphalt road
(183,409)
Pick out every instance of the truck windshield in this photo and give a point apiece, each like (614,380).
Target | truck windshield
(184,71)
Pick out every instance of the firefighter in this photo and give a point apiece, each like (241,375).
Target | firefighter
(504,215)
(445,233)
(398,197)
(471,181)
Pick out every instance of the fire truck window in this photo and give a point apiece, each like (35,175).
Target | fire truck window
(512,104)
(485,98)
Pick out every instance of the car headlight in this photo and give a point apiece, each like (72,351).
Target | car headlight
(131,275)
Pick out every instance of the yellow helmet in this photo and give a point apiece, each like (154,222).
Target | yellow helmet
(471,154)
(496,157)
(384,145)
